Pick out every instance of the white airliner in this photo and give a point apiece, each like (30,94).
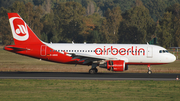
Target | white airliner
(114,57)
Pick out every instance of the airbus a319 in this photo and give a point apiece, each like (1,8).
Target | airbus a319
(114,57)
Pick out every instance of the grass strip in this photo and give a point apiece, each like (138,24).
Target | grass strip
(88,90)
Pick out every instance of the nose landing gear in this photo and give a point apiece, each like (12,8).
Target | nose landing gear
(149,70)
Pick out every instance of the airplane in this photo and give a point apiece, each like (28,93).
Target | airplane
(114,57)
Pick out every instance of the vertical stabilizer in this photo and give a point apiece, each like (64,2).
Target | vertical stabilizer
(21,32)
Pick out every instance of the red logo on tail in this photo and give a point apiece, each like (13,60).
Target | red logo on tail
(19,29)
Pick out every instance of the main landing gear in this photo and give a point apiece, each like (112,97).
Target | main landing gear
(93,69)
(149,70)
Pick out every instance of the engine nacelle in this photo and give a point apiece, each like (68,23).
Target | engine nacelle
(115,65)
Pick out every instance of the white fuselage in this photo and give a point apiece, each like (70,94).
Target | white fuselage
(130,53)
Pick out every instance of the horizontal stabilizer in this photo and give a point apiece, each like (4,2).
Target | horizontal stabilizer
(16,48)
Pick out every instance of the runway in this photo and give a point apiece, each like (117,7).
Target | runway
(87,76)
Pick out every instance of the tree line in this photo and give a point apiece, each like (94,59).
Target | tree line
(96,21)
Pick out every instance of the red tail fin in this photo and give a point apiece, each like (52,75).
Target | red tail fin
(22,34)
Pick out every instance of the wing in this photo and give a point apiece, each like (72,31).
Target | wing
(88,58)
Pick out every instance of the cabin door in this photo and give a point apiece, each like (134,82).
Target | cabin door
(43,50)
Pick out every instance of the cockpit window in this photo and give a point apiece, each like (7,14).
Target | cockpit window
(163,51)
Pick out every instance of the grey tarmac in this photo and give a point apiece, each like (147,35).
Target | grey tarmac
(87,76)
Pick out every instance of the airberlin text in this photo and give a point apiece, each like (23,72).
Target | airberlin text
(122,51)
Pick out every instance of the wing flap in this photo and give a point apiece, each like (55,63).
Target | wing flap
(89,58)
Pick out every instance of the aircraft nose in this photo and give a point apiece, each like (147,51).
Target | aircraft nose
(172,58)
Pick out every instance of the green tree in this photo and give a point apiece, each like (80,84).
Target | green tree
(92,28)
(137,25)
(68,18)
(38,2)
(156,8)
(165,35)
(170,27)
(7,3)
(48,26)
(111,24)
(5,27)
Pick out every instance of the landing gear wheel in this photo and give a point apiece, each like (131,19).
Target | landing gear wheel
(149,72)
(149,69)
(93,71)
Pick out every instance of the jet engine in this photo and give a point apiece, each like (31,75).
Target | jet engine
(115,65)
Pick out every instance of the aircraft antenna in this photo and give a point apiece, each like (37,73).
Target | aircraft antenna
(147,43)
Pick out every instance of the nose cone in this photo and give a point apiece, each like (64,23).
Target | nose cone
(172,58)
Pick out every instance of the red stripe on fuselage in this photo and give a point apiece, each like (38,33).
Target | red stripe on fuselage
(35,51)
